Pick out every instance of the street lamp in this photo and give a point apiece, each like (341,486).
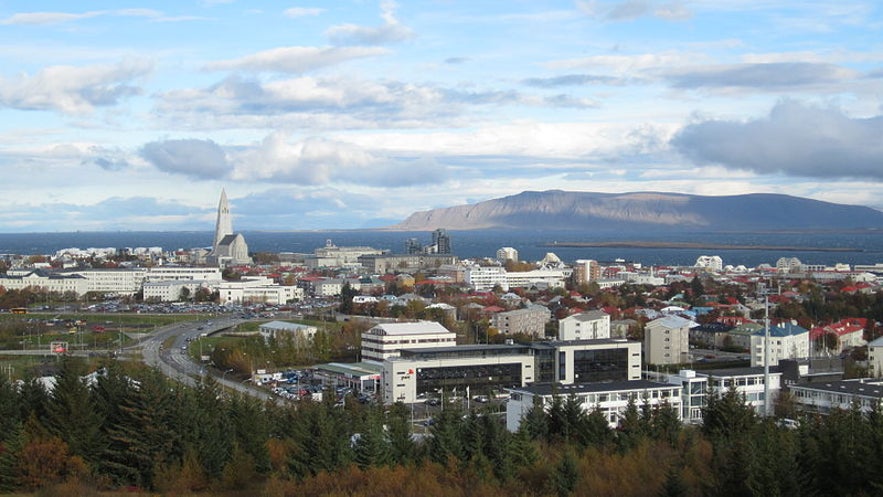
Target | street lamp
(225,374)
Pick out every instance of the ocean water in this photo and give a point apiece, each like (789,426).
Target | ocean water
(862,247)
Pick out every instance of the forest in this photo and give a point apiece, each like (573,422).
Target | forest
(131,430)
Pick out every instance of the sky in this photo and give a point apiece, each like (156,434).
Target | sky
(355,114)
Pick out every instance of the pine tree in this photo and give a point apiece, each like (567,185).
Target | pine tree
(73,415)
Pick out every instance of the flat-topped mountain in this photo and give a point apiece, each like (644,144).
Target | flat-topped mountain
(646,211)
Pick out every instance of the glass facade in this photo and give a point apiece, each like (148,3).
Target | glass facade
(600,365)
(483,377)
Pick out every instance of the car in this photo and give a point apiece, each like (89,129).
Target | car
(433,402)
(482,399)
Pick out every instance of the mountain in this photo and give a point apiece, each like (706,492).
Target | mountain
(645,211)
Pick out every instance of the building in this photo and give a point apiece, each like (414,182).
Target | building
(711,263)
(485,368)
(275,330)
(392,263)
(506,254)
(441,242)
(586,271)
(833,338)
(611,398)
(113,281)
(667,340)
(45,281)
(585,325)
(332,256)
(387,340)
(228,248)
(787,341)
(257,290)
(528,321)
(360,377)
(486,278)
(824,397)
(182,273)
(875,358)
(541,279)
(174,290)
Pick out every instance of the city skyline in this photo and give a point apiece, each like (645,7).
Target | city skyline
(356,114)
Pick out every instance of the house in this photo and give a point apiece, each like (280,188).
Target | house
(835,337)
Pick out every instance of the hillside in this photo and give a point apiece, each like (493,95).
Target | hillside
(645,211)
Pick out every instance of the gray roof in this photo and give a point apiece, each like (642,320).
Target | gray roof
(608,386)
(851,387)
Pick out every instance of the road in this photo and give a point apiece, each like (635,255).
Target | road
(176,363)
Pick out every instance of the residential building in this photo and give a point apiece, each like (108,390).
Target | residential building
(539,278)
(441,242)
(586,271)
(258,290)
(875,358)
(787,341)
(530,320)
(833,338)
(585,325)
(387,340)
(174,290)
(666,340)
(507,254)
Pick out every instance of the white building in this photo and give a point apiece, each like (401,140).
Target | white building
(387,340)
(507,254)
(875,358)
(710,262)
(485,278)
(171,290)
(787,341)
(539,278)
(278,329)
(824,397)
(258,290)
(586,325)
(165,273)
(612,398)
(332,256)
(667,340)
(529,321)
(45,281)
(113,281)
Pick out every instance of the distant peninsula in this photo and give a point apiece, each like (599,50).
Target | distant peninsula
(693,245)
(646,212)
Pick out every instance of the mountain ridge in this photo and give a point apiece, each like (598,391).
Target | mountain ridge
(645,211)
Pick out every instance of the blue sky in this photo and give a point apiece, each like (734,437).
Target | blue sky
(352,114)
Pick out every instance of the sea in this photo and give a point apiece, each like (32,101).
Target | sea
(853,247)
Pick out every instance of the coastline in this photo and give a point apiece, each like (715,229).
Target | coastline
(696,245)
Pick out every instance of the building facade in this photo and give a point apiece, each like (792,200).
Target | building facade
(584,326)
(387,340)
(528,321)
(667,340)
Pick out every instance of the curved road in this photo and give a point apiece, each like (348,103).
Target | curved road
(176,363)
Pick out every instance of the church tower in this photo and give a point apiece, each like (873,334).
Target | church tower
(228,247)
(224,224)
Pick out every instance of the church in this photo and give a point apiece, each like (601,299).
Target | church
(229,248)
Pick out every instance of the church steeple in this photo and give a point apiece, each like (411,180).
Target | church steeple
(224,224)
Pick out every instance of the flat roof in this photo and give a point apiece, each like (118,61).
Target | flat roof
(608,386)
(352,369)
(851,387)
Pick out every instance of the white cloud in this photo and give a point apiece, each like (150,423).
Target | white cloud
(73,90)
(389,32)
(295,59)
(198,159)
(303,11)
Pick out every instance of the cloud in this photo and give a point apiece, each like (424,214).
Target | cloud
(197,159)
(107,159)
(390,31)
(302,11)
(295,59)
(575,80)
(630,10)
(46,18)
(773,75)
(795,139)
(320,161)
(73,90)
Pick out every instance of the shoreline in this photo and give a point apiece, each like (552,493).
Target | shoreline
(694,245)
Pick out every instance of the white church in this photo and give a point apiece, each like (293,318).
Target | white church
(229,248)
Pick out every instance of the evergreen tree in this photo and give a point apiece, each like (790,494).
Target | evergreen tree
(73,415)
(402,447)
(371,447)
(447,440)
(674,484)
(535,423)
(566,475)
